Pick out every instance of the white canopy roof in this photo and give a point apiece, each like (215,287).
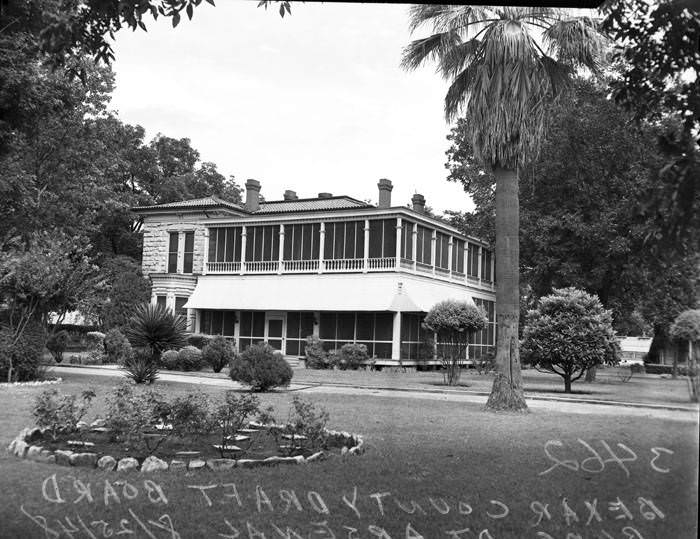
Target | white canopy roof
(328,292)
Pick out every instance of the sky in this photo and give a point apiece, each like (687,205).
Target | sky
(312,102)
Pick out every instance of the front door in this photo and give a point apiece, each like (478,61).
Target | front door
(274,331)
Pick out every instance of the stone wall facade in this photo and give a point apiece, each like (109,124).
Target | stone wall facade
(157,229)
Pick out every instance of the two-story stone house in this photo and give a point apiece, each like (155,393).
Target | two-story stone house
(331,266)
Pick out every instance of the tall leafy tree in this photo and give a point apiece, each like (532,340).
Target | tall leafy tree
(501,78)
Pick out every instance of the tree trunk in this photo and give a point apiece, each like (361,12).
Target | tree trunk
(567,383)
(591,373)
(674,368)
(507,390)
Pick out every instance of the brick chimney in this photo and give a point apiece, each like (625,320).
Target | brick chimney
(252,195)
(325,195)
(290,195)
(385,188)
(418,203)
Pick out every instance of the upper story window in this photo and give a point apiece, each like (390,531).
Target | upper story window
(424,245)
(442,250)
(344,240)
(302,242)
(457,255)
(262,243)
(173,243)
(486,265)
(473,260)
(225,244)
(407,228)
(382,238)
(188,257)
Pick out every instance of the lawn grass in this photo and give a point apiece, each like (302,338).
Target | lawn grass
(447,458)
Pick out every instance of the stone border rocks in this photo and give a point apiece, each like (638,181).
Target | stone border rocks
(22,446)
(31,384)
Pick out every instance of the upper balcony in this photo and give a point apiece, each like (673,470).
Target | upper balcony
(349,246)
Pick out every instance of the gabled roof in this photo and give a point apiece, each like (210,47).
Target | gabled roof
(311,204)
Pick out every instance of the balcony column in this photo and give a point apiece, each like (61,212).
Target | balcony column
(197,328)
(493,270)
(415,246)
(396,337)
(237,330)
(479,263)
(365,263)
(450,246)
(180,252)
(321,246)
(433,242)
(466,262)
(399,239)
(205,255)
(244,234)
(280,263)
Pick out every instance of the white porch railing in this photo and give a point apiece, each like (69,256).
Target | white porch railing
(344,264)
(265,266)
(299,266)
(223,267)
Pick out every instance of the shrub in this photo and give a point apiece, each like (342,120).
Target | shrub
(96,356)
(218,353)
(57,344)
(316,355)
(117,347)
(141,367)
(190,358)
(309,421)
(198,340)
(190,415)
(260,368)
(157,328)
(686,327)
(232,415)
(454,321)
(333,361)
(170,360)
(21,362)
(94,339)
(60,413)
(568,333)
(352,356)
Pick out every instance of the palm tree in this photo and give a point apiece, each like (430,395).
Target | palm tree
(157,329)
(504,64)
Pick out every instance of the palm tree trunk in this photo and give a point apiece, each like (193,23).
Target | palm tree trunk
(507,390)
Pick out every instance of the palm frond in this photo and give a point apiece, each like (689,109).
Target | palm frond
(455,59)
(420,14)
(459,91)
(445,18)
(559,73)
(576,42)
(429,48)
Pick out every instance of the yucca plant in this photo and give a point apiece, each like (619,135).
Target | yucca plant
(157,328)
(141,367)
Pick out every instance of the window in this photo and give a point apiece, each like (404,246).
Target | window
(458,255)
(473,260)
(382,238)
(442,251)
(416,341)
(225,244)
(301,242)
(486,265)
(189,253)
(424,245)
(407,228)
(172,252)
(161,301)
(299,326)
(484,341)
(252,328)
(262,243)
(344,240)
(374,330)
(217,322)
(179,306)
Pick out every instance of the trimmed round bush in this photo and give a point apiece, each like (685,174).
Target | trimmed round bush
(190,358)
(218,353)
(94,339)
(316,355)
(261,368)
(352,355)
(170,360)
(117,347)
(199,340)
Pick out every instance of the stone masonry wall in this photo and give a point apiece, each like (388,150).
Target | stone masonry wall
(155,241)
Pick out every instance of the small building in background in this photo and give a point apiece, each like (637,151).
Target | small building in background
(634,349)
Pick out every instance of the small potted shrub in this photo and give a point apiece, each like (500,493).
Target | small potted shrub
(218,353)
(261,368)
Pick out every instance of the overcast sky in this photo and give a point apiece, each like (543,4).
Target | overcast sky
(312,102)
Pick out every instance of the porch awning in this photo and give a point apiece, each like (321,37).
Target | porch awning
(320,293)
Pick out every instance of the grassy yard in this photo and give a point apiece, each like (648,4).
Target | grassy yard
(431,468)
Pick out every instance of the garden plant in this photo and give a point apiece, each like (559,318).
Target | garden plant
(261,367)
(686,328)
